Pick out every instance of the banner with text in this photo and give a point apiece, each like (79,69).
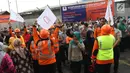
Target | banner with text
(83,12)
(98,9)
(74,13)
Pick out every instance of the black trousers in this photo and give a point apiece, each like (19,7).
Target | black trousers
(75,67)
(103,68)
(116,58)
(58,62)
(36,66)
(47,68)
(63,52)
(123,44)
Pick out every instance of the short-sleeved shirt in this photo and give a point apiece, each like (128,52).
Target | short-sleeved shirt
(117,33)
(63,37)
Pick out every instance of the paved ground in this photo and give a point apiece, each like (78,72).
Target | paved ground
(124,66)
(125,62)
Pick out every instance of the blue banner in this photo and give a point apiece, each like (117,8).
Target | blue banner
(74,13)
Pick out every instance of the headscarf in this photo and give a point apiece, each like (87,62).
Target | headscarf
(88,35)
(78,36)
(2,53)
(18,48)
(11,40)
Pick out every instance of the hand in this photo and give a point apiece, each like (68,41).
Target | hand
(9,23)
(76,41)
(35,22)
(93,60)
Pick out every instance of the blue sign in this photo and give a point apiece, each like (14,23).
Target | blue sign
(74,13)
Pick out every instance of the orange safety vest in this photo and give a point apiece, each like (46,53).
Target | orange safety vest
(97,32)
(33,50)
(55,43)
(46,54)
(68,39)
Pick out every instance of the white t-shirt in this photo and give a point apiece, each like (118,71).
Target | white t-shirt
(117,33)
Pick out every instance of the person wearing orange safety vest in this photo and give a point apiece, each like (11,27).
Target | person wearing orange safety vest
(34,53)
(54,33)
(46,54)
(103,50)
(33,48)
(97,30)
(46,51)
(17,35)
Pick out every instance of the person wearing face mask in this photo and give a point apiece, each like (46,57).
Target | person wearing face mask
(76,47)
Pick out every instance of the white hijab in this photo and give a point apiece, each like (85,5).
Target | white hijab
(2,53)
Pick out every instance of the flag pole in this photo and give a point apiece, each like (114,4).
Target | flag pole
(9,5)
(16,5)
(17,10)
(9,8)
(60,9)
(109,22)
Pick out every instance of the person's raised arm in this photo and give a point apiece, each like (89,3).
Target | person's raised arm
(10,29)
(35,34)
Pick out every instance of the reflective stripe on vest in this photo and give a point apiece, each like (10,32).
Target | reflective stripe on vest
(105,47)
(47,56)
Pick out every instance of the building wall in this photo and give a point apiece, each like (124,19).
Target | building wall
(30,19)
(126,13)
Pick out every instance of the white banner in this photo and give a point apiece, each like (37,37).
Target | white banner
(108,15)
(46,19)
(15,17)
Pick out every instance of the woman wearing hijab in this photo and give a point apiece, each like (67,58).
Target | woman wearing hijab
(89,42)
(76,47)
(21,58)
(6,64)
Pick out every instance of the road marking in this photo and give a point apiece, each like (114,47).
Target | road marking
(124,62)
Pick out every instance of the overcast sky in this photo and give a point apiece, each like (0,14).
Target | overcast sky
(25,5)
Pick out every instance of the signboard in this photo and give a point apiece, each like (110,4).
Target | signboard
(98,9)
(74,13)
(4,18)
(83,12)
(120,7)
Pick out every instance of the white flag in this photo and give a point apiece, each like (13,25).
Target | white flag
(15,16)
(46,19)
(108,15)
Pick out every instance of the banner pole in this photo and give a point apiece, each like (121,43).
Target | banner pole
(9,5)
(60,10)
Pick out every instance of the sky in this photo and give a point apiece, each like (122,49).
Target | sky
(26,5)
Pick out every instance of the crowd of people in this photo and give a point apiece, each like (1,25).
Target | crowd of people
(91,46)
